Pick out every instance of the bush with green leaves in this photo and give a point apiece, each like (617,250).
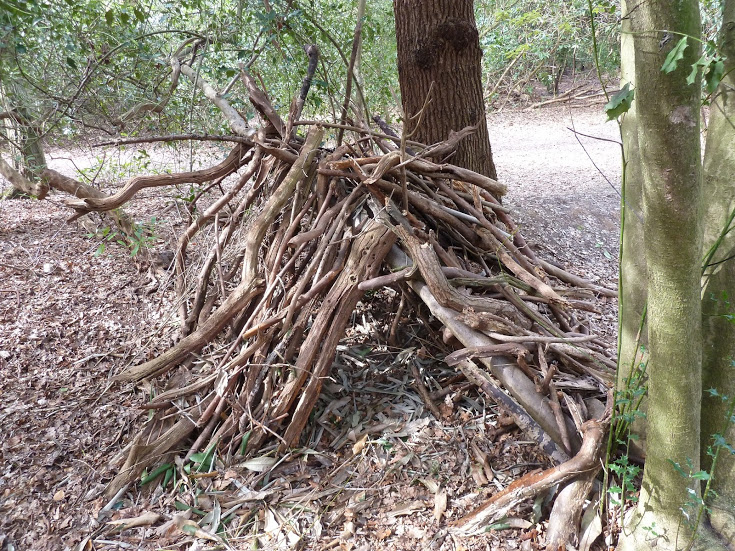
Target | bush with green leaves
(80,65)
(540,39)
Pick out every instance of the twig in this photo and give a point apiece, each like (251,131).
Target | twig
(421,387)
(351,67)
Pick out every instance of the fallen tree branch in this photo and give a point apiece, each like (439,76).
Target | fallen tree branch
(237,123)
(229,165)
(21,183)
(250,284)
(532,484)
(513,379)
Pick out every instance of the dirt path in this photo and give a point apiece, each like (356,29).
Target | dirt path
(560,199)
(564,191)
(69,319)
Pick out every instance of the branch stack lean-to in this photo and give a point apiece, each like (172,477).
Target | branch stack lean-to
(299,238)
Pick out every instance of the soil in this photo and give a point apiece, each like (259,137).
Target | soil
(386,473)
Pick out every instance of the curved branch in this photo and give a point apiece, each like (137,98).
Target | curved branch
(261,102)
(153,107)
(587,460)
(230,164)
(21,183)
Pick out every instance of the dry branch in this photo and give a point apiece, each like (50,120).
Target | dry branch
(20,182)
(261,102)
(587,460)
(250,285)
(237,123)
(230,164)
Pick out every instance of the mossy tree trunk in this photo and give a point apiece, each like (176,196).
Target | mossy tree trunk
(438,43)
(668,136)
(718,296)
(633,333)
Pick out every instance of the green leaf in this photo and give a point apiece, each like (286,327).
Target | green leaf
(675,55)
(190,529)
(71,63)
(714,74)
(139,15)
(720,442)
(155,474)
(620,103)
(693,75)
(184,507)
(244,443)
(203,460)
(678,468)
(198,457)
(124,18)
(14,7)
(110,17)
(170,473)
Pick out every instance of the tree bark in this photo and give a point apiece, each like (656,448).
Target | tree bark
(719,287)
(669,140)
(438,43)
(633,332)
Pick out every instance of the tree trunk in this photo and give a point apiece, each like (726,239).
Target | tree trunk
(719,288)
(668,135)
(29,153)
(633,333)
(438,43)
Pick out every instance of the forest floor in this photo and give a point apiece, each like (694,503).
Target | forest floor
(389,476)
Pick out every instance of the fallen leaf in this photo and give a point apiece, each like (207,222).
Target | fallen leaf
(515,522)
(359,445)
(348,530)
(58,496)
(146,519)
(259,464)
(440,504)
(407,508)
(591,528)
(192,528)
(431,485)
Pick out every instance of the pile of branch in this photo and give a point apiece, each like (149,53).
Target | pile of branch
(297,241)
(578,96)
